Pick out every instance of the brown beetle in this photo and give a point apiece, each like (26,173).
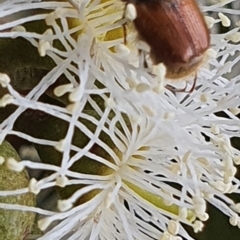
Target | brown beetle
(176,32)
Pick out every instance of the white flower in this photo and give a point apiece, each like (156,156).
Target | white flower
(162,155)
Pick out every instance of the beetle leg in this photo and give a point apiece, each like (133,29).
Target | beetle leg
(172,89)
